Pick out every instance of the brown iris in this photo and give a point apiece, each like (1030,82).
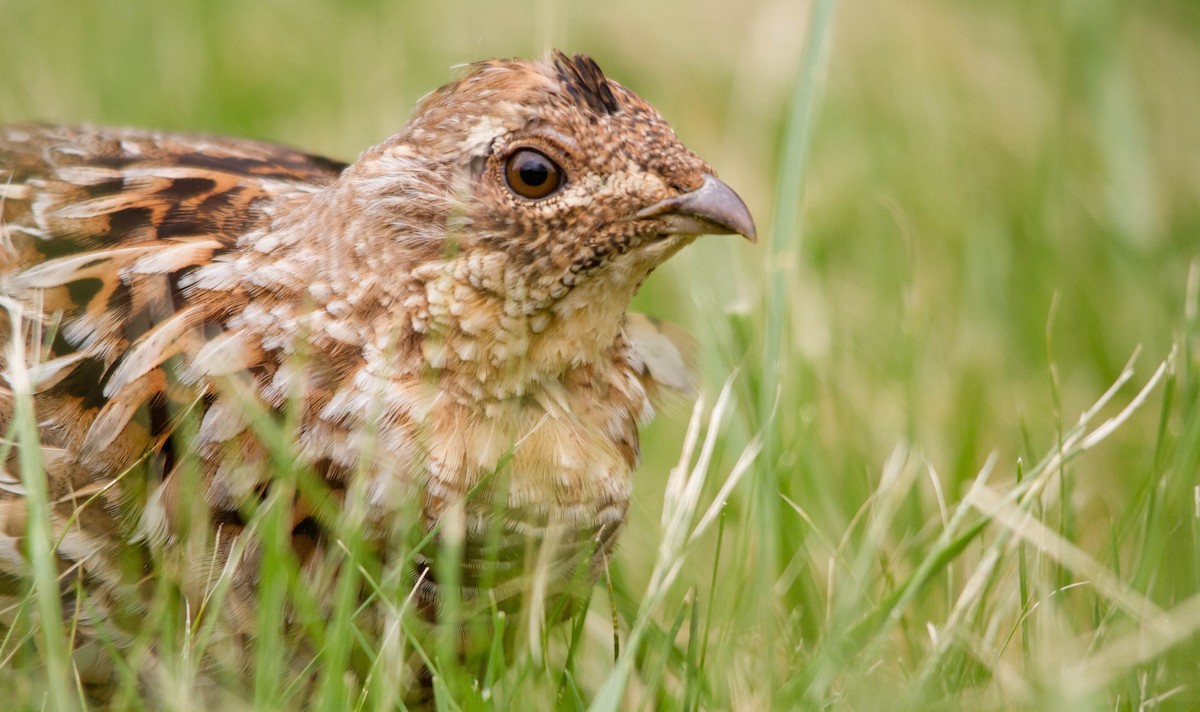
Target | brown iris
(531,174)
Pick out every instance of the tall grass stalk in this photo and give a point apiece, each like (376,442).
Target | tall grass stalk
(39,541)
(680,531)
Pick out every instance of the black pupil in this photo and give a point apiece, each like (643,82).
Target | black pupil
(534,171)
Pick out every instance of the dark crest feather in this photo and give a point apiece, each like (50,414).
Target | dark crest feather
(586,82)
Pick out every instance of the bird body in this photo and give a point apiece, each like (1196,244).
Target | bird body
(437,331)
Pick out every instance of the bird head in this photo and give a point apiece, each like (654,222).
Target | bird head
(537,196)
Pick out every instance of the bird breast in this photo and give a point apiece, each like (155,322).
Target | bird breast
(537,483)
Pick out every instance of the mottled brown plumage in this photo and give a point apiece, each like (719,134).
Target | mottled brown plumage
(437,346)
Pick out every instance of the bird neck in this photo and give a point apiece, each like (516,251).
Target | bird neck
(509,342)
(477,316)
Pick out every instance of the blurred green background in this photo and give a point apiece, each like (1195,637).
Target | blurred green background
(1001,205)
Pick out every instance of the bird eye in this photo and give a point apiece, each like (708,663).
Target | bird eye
(531,174)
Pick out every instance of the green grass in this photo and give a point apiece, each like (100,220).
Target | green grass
(977,218)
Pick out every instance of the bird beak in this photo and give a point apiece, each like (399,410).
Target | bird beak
(711,209)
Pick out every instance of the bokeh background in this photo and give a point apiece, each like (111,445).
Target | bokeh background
(998,206)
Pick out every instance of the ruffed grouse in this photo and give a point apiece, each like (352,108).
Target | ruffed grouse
(437,332)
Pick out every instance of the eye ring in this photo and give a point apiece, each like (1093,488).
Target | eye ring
(532,174)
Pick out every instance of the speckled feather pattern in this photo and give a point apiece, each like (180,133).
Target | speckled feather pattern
(427,326)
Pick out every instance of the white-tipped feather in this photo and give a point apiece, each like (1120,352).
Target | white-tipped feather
(175,256)
(60,271)
(48,373)
(159,344)
(225,354)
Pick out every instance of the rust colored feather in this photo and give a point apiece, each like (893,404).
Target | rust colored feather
(442,351)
